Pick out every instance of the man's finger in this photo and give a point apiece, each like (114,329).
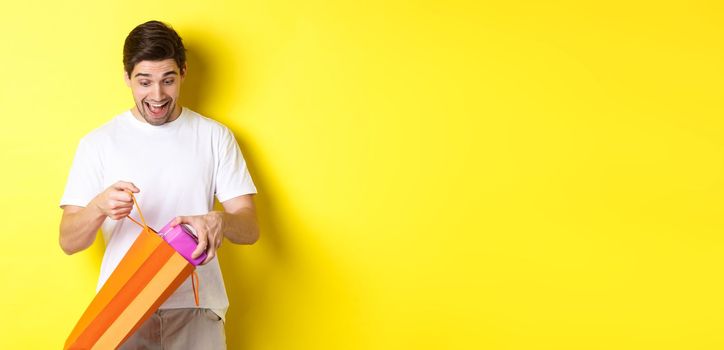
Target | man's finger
(209,255)
(121,196)
(126,186)
(203,243)
(180,220)
(199,249)
(117,204)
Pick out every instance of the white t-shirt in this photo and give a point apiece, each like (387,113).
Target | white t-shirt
(179,167)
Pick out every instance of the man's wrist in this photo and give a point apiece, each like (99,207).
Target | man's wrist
(224,220)
(95,209)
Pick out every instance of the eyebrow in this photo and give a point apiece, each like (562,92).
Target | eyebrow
(171,72)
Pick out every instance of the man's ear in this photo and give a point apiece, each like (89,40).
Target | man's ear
(126,78)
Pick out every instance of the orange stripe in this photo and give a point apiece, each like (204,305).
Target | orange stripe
(126,295)
(162,284)
(141,249)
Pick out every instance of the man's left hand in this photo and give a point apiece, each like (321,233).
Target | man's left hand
(209,230)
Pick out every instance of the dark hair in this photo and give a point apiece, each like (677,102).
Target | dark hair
(152,41)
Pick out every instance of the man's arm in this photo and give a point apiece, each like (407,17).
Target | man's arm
(79,225)
(240,225)
(237,223)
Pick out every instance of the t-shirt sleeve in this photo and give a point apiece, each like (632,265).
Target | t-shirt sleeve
(85,178)
(232,176)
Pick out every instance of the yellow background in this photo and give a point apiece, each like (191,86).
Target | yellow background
(432,174)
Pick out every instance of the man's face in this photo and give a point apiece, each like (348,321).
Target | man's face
(156,86)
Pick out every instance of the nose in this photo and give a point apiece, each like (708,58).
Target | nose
(157,92)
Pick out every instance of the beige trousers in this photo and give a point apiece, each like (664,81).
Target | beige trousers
(179,329)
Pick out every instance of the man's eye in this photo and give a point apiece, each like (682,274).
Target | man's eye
(169,82)
(145,83)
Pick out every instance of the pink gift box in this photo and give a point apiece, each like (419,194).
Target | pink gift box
(183,241)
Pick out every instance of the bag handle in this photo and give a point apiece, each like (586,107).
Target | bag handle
(195,286)
(139,212)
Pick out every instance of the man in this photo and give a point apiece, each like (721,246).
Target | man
(174,161)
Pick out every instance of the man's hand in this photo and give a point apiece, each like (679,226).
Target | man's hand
(209,230)
(237,223)
(79,225)
(115,202)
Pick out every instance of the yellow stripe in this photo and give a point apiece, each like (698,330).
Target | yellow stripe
(140,305)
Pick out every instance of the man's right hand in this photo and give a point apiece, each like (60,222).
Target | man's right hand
(115,201)
(79,225)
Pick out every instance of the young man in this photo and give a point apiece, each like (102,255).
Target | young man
(174,161)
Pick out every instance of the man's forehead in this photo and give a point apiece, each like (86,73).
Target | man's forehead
(156,68)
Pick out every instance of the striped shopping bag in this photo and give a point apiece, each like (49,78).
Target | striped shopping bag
(152,269)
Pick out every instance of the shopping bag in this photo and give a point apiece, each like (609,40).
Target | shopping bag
(148,274)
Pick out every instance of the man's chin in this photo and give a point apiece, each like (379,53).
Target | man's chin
(156,122)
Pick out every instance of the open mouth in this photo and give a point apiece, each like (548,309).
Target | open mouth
(157,109)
